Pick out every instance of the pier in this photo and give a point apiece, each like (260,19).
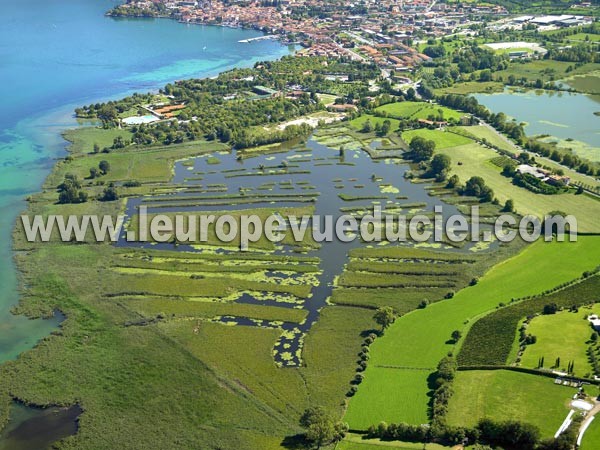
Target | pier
(260,38)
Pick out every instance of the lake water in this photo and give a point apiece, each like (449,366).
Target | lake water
(559,114)
(60,54)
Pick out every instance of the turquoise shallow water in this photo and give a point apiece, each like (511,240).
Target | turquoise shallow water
(59,54)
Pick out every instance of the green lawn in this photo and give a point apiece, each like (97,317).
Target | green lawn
(83,139)
(583,37)
(419,110)
(472,87)
(360,121)
(420,339)
(504,395)
(131,163)
(389,395)
(402,109)
(475,161)
(327,99)
(356,442)
(563,336)
(492,136)
(442,139)
(591,438)
(534,69)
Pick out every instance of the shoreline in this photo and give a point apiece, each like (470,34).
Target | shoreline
(60,151)
(278,34)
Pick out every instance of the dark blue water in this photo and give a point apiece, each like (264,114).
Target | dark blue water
(58,54)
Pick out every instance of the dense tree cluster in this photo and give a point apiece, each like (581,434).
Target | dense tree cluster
(109,112)
(70,191)
(445,374)
(534,184)
(476,187)
(439,167)
(566,158)
(229,109)
(421,149)
(509,435)
(474,57)
(322,428)
(385,316)
(435,51)
(582,53)
(110,194)
(154,9)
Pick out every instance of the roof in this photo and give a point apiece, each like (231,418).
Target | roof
(545,20)
(264,90)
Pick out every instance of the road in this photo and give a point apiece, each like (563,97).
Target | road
(588,418)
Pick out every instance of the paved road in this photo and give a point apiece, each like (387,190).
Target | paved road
(588,418)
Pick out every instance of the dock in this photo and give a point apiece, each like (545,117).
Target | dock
(259,38)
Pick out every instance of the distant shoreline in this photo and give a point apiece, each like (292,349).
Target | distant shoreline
(241,26)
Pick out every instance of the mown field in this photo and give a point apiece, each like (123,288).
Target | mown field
(491,339)
(418,110)
(356,442)
(539,69)
(592,436)
(82,140)
(474,160)
(492,137)
(563,335)
(472,87)
(505,395)
(421,338)
(442,139)
(359,122)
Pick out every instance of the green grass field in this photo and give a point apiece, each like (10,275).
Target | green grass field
(504,395)
(356,442)
(493,338)
(359,122)
(390,395)
(327,99)
(537,69)
(83,139)
(131,163)
(418,110)
(563,336)
(472,87)
(442,139)
(491,136)
(475,161)
(421,338)
(582,37)
(592,436)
